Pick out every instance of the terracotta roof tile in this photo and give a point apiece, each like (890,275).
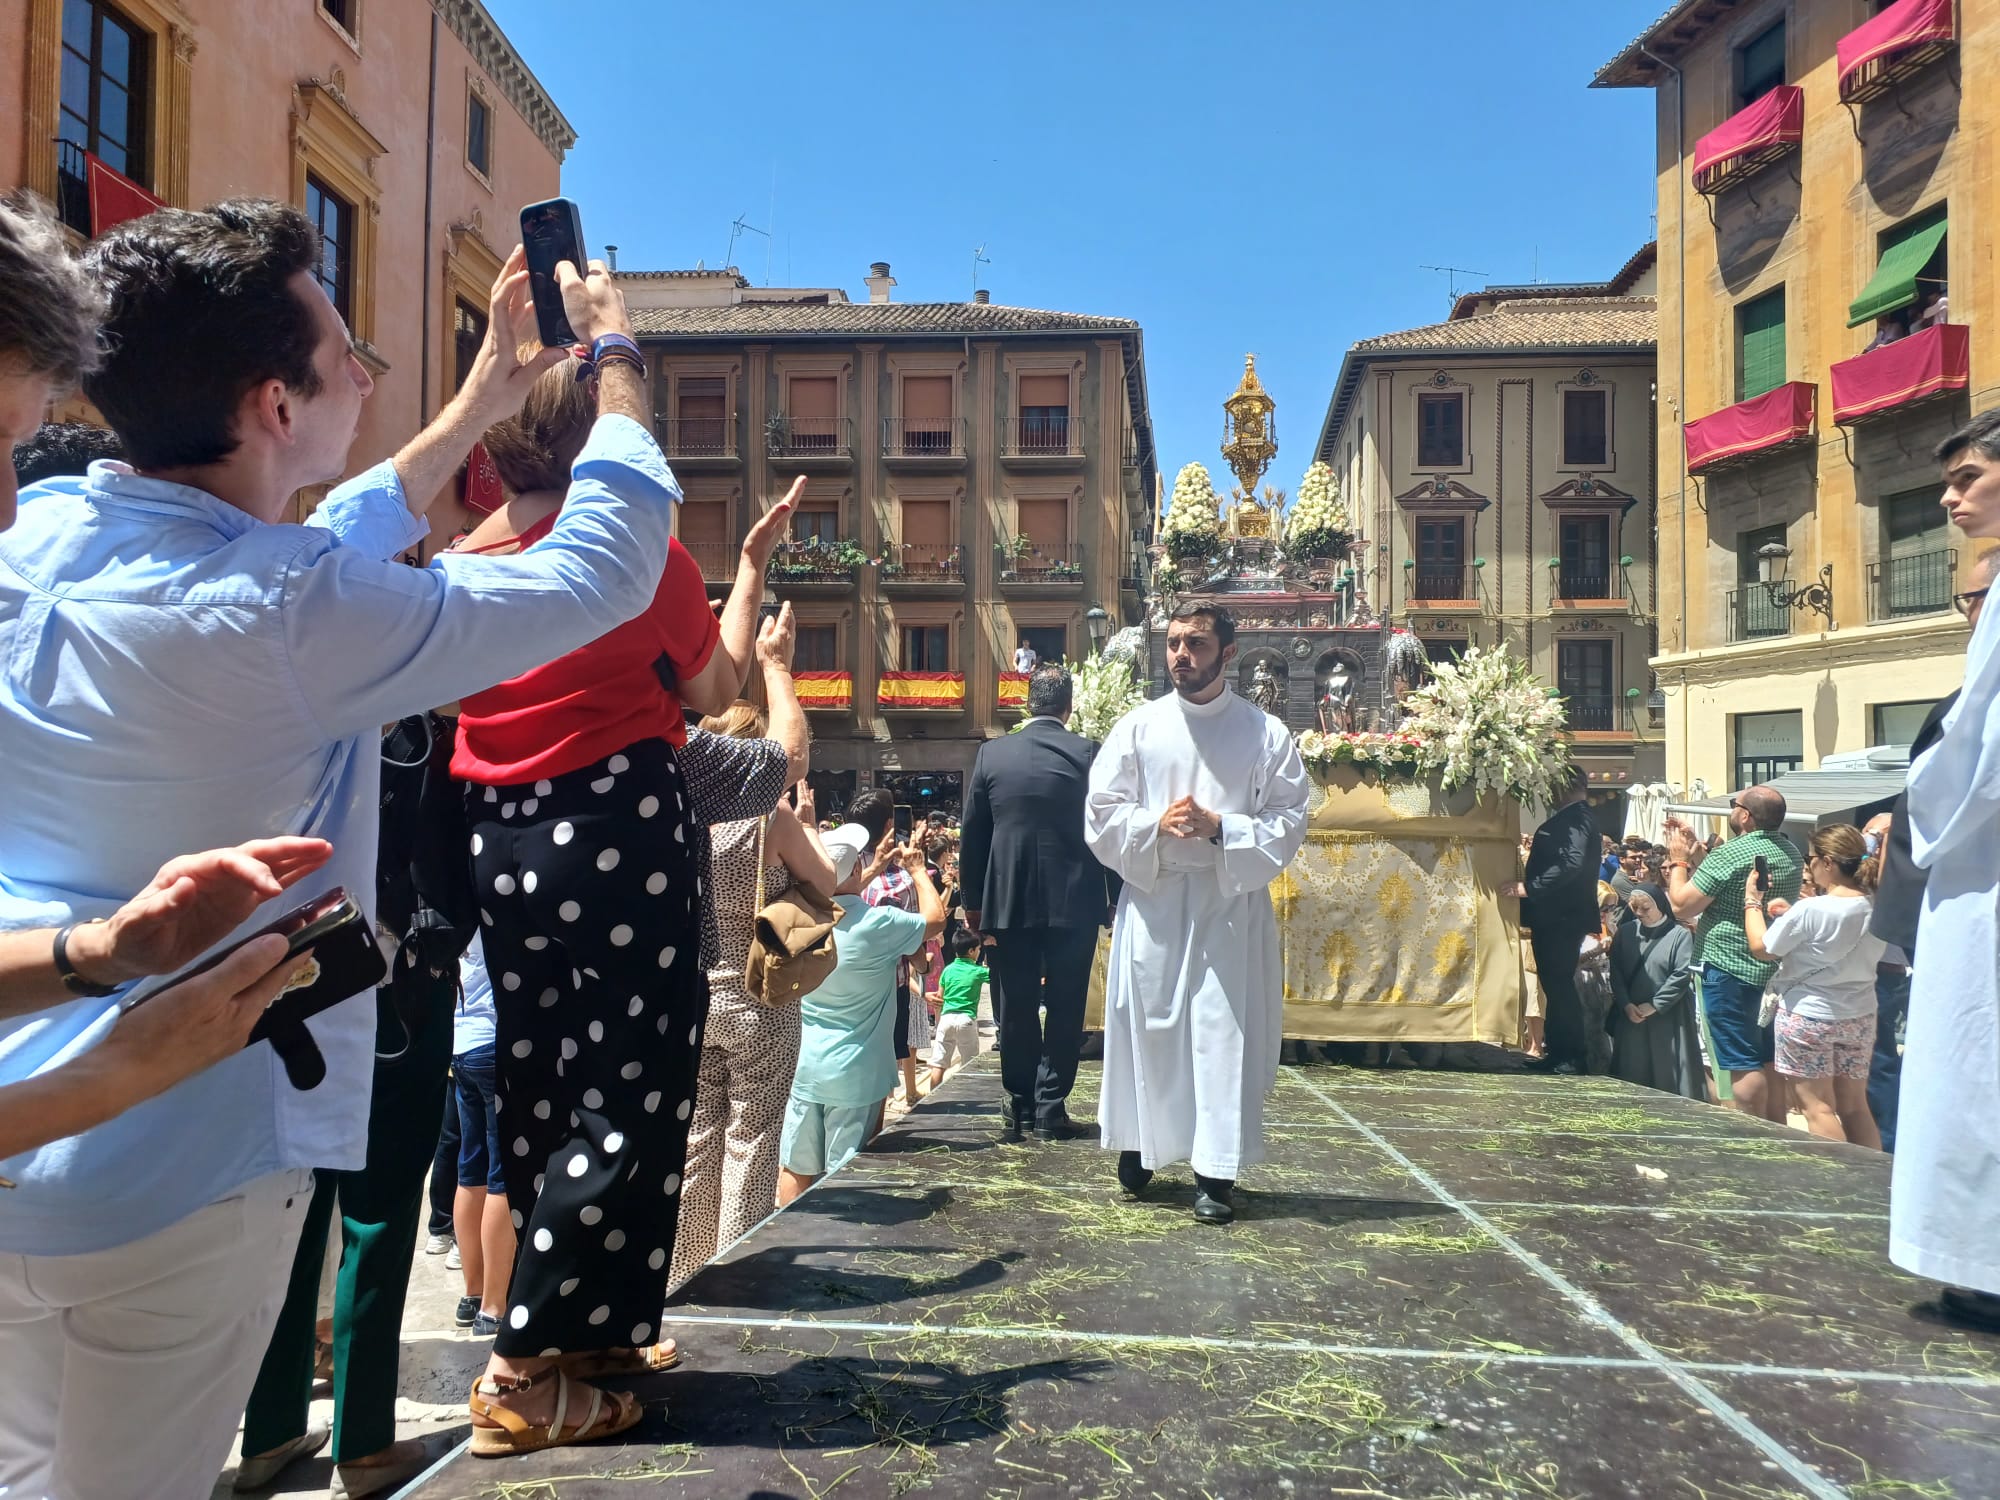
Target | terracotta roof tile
(1532,323)
(865,320)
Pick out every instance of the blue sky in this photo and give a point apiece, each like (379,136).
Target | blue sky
(1275,188)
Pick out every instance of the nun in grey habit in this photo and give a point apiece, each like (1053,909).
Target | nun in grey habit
(1653,1021)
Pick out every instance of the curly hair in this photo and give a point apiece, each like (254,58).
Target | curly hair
(49,307)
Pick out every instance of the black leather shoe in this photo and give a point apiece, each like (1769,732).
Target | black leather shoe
(1214,1199)
(1056,1126)
(1131,1176)
(1970,1308)
(1014,1114)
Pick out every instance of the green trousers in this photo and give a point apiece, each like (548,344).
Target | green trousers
(380,1207)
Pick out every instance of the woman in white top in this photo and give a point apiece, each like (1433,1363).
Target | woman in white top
(1826,961)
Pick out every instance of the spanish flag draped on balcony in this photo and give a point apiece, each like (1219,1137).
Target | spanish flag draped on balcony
(1013,689)
(824,689)
(921,690)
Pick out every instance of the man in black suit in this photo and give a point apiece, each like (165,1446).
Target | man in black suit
(1027,877)
(1559,906)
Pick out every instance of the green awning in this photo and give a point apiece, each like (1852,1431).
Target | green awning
(1895,283)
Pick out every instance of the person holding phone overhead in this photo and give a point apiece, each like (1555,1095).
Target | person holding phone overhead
(584,847)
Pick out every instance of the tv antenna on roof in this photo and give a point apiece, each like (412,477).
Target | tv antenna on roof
(1453,273)
(978,259)
(737,230)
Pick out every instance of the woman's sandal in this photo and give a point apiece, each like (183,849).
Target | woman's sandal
(498,1432)
(601,1364)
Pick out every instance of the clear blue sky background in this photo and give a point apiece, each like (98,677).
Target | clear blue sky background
(1273,186)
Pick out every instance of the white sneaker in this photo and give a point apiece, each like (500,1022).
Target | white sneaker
(451,1260)
(437,1244)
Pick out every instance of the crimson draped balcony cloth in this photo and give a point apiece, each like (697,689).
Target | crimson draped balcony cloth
(1776,120)
(1903,27)
(114,197)
(1771,420)
(1936,359)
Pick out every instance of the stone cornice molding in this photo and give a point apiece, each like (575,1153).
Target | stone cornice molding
(1864,646)
(488,44)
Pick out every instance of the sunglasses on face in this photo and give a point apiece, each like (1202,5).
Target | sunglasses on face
(1963,602)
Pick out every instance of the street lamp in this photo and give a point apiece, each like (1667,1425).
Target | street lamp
(1773,560)
(1098,623)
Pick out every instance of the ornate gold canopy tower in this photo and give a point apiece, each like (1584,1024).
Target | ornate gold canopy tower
(1249,443)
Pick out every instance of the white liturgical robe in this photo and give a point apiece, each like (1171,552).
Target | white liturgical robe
(1944,1208)
(1193,997)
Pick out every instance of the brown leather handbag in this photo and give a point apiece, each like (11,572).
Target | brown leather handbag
(791,943)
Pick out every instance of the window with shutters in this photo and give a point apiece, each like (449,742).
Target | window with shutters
(478,133)
(924,548)
(1752,613)
(817,649)
(1760,344)
(1760,65)
(701,417)
(1583,677)
(1041,547)
(103,105)
(812,405)
(705,533)
(468,332)
(1440,429)
(1045,417)
(926,648)
(927,426)
(1586,418)
(1440,570)
(1914,576)
(817,521)
(1584,557)
(333,216)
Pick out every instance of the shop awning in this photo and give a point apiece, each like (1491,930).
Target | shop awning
(1768,421)
(1895,281)
(1775,121)
(1933,360)
(1902,28)
(1813,797)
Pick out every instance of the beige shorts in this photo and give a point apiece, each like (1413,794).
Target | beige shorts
(957,1040)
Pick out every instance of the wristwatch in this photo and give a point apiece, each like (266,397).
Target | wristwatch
(72,981)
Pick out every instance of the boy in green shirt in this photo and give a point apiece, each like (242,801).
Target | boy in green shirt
(958,1019)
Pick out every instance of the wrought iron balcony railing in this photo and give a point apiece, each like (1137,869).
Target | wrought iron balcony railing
(1899,587)
(923,437)
(1058,435)
(1754,616)
(700,437)
(810,437)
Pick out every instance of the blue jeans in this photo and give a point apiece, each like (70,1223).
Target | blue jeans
(1885,1069)
(1732,1006)
(479,1160)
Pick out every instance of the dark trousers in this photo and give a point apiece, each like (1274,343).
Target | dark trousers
(1037,968)
(444,1170)
(1563,1035)
(1885,1069)
(379,1209)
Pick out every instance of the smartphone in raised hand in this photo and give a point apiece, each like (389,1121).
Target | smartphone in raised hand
(552,232)
(905,821)
(1761,867)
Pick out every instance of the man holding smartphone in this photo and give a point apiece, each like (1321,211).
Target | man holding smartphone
(184,670)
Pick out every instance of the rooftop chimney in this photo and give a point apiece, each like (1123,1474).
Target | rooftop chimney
(982,296)
(879,281)
(611,257)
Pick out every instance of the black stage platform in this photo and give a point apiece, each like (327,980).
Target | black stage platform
(1440,1285)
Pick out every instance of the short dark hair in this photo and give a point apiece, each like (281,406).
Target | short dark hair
(534,448)
(969,944)
(1220,620)
(1049,689)
(49,307)
(874,810)
(200,310)
(60,449)
(1574,781)
(1981,434)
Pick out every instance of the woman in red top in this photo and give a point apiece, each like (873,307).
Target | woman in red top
(584,852)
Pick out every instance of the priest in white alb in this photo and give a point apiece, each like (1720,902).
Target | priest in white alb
(1198,800)
(1944,1207)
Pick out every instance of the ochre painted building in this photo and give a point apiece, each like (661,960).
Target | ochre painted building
(976,474)
(412,132)
(1826,181)
(1500,464)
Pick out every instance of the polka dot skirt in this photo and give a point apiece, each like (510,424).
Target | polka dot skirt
(589,896)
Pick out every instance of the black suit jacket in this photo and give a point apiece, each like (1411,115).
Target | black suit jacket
(1562,873)
(1022,858)
(1899,898)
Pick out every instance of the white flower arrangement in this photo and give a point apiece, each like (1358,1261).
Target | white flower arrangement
(1191,528)
(1102,691)
(1318,524)
(1488,723)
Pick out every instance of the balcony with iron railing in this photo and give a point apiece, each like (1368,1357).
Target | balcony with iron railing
(698,439)
(810,440)
(1027,565)
(1591,712)
(916,442)
(1052,437)
(1441,583)
(811,566)
(1754,615)
(73,186)
(1900,587)
(718,560)
(922,568)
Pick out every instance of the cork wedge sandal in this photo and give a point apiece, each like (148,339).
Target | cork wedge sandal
(498,1432)
(621,1364)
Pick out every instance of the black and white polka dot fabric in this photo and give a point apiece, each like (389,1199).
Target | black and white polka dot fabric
(589,894)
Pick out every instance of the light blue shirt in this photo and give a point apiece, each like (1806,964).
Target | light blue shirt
(176,675)
(474,1021)
(847,1052)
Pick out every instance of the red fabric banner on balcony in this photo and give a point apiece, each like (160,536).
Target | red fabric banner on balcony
(921,690)
(1777,117)
(1905,25)
(1751,426)
(114,197)
(1935,359)
(824,689)
(1013,689)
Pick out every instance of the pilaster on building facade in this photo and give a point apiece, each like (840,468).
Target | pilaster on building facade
(977,476)
(1823,203)
(410,133)
(1500,465)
